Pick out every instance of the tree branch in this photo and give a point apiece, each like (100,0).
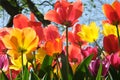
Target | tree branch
(12,10)
(37,13)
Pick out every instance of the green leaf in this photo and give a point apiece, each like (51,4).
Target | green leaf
(98,77)
(47,76)
(26,74)
(3,76)
(33,76)
(81,69)
(65,75)
(46,66)
(114,73)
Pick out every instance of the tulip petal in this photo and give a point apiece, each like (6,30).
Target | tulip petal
(20,21)
(110,13)
(29,36)
(51,32)
(116,6)
(52,15)
(110,43)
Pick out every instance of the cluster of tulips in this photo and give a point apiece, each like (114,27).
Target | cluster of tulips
(31,51)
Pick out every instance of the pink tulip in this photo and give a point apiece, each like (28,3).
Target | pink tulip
(88,51)
(4,62)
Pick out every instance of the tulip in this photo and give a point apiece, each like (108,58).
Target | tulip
(115,60)
(89,33)
(88,51)
(4,64)
(112,12)
(65,13)
(95,64)
(110,44)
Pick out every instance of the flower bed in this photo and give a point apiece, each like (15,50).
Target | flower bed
(31,51)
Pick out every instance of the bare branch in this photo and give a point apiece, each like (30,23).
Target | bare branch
(10,9)
(37,13)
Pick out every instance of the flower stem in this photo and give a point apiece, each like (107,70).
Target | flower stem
(67,61)
(22,64)
(101,50)
(118,34)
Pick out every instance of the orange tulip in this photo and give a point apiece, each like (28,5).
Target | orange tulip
(65,13)
(53,47)
(112,12)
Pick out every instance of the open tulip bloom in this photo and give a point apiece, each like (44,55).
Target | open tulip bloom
(31,51)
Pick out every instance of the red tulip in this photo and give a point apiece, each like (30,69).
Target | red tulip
(51,32)
(110,44)
(75,55)
(112,12)
(73,37)
(65,13)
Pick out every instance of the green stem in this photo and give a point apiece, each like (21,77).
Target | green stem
(101,50)
(104,56)
(67,61)
(118,34)
(10,72)
(22,64)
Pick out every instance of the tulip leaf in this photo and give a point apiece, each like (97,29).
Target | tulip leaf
(81,69)
(3,76)
(26,74)
(66,75)
(114,73)
(47,76)
(46,66)
(33,76)
(98,77)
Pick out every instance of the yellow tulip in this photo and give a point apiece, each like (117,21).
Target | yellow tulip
(89,33)
(40,55)
(19,41)
(109,29)
(16,63)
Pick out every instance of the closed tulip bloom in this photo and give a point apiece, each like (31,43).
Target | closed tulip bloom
(112,12)
(110,44)
(4,64)
(115,60)
(95,64)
